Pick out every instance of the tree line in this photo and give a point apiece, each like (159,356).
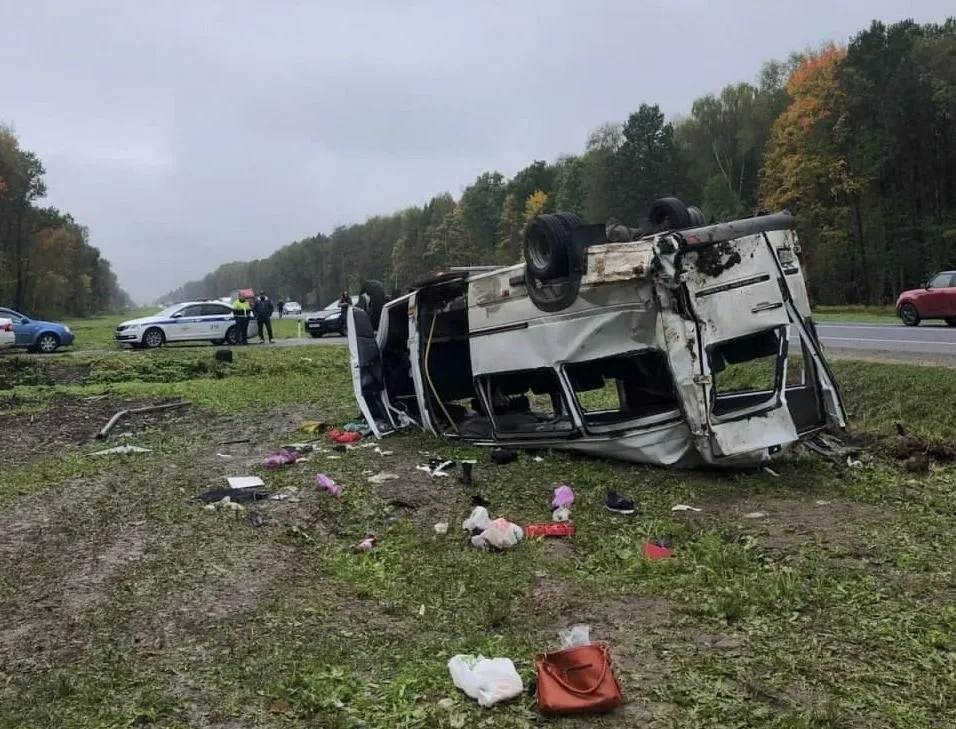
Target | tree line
(859,141)
(47,265)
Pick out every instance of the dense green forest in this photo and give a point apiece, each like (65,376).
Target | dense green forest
(859,141)
(47,265)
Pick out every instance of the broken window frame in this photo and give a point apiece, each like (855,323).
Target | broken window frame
(481,380)
(667,417)
(775,397)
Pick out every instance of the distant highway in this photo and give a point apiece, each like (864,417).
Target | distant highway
(899,339)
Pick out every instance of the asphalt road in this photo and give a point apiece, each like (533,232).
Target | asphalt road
(898,339)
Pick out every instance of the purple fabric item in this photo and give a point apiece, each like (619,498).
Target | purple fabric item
(327,484)
(563,497)
(281,458)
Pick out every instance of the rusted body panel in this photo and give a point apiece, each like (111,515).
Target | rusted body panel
(641,362)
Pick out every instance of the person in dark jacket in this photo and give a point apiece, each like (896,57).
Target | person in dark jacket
(263,311)
(345,301)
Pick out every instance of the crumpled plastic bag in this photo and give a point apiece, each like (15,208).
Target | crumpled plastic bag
(499,534)
(562,513)
(479,519)
(488,680)
(576,635)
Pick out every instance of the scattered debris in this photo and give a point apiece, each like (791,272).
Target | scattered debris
(822,502)
(538,459)
(550,530)
(256,518)
(341,437)
(383,453)
(654,551)
(244,482)
(853,463)
(574,636)
(477,521)
(421,611)
(323,482)
(233,495)
(756,515)
(282,458)
(436,467)
(500,534)
(381,478)
(487,680)
(562,513)
(770,472)
(234,442)
(356,428)
(618,504)
(312,426)
(441,527)
(367,544)
(225,456)
(684,507)
(300,448)
(563,497)
(121,449)
(466,477)
(503,456)
(136,411)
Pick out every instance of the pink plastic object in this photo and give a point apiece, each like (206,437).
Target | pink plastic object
(280,459)
(325,483)
(367,544)
(563,497)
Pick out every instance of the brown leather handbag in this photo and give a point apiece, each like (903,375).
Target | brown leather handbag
(577,680)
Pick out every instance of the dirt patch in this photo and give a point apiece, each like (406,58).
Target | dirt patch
(781,524)
(70,421)
(422,499)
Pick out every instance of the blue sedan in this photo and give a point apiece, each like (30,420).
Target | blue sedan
(37,336)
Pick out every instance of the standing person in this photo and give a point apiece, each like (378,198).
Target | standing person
(345,301)
(281,306)
(264,311)
(241,311)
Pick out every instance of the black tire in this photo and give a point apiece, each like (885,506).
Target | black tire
(217,342)
(909,315)
(47,343)
(951,322)
(316,335)
(153,337)
(670,213)
(547,245)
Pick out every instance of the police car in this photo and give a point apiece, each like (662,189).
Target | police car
(187,322)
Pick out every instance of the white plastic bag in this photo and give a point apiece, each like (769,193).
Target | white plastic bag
(499,534)
(479,519)
(576,635)
(488,680)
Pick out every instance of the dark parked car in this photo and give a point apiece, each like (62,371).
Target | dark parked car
(935,300)
(35,335)
(328,320)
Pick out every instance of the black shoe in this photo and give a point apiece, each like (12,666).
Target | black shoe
(501,456)
(614,502)
(466,477)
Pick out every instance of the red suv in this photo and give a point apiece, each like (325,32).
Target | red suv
(936,300)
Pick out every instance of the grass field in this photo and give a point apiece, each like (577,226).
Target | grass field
(126,603)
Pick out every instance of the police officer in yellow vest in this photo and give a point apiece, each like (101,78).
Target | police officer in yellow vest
(241,313)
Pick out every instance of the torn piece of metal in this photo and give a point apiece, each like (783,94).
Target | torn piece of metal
(136,411)
(675,344)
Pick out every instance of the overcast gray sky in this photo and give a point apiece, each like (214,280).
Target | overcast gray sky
(186,134)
